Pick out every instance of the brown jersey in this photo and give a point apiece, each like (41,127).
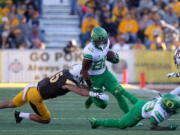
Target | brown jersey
(52,87)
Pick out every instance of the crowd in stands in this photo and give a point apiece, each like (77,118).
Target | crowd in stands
(131,24)
(19,24)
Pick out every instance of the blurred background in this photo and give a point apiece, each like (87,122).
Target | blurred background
(40,37)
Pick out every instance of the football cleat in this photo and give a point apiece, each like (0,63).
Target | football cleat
(139,124)
(93,122)
(17,118)
(88,103)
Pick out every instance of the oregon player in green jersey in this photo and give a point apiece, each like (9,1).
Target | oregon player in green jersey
(156,111)
(95,72)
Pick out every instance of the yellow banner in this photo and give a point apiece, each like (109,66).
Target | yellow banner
(155,65)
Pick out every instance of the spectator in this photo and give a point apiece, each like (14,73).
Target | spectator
(88,24)
(170,16)
(109,26)
(119,11)
(5,32)
(171,34)
(29,13)
(36,33)
(145,4)
(17,40)
(71,47)
(138,45)
(152,30)
(144,22)
(176,7)
(26,30)
(121,44)
(129,27)
(6,9)
(158,43)
(37,44)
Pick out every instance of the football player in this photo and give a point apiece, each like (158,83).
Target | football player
(57,85)
(156,111)
(176,91)
(95,72)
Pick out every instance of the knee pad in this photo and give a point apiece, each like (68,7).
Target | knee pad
(119,90)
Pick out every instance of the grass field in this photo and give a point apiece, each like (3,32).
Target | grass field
(69,117)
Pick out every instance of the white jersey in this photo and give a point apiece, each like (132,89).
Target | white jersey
(176,91)
(97,56)
(153,109)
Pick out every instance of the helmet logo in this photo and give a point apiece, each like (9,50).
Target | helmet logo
(169,104)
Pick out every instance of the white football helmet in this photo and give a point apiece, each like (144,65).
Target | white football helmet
(177,57)
(75,70)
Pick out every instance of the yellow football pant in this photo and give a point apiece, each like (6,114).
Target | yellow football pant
(35,100)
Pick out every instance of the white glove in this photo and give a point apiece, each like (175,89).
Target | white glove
(101,96)
(172,75)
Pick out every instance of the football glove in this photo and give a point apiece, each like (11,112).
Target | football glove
(115,60)
(101,96)
(173,75)
(173,126)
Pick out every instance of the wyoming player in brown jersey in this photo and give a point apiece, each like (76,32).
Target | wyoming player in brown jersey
(57,85)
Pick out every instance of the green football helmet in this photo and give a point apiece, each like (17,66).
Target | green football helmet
(170,102)
(99,37)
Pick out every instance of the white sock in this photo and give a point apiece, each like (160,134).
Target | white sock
(24,115)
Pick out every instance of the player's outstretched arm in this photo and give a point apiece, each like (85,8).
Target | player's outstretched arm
(161,128)
(85,67)
(86,92)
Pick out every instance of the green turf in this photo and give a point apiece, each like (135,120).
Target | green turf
(69,117)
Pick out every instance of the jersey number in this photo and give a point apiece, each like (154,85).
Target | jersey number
(149,106)
(55,77)
(98,64)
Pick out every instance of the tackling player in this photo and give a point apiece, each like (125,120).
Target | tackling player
(176,91)
(95,72)
(57,85)
(156,111)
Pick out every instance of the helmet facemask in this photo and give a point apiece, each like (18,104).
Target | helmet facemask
(99,38)
(170,102)
(100,44)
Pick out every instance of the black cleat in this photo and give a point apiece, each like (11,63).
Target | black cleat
(18,119)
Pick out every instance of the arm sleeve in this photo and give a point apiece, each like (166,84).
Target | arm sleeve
(176,91)
(153,121)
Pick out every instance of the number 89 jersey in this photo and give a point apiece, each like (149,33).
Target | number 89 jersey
(98,58)
(154,111)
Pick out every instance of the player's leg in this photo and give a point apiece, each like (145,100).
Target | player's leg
(126,94)
(97,84)
(15,102)
(117,90)
(129,119)
(111,84)
(42,115)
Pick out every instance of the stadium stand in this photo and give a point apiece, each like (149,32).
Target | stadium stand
(60,27)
